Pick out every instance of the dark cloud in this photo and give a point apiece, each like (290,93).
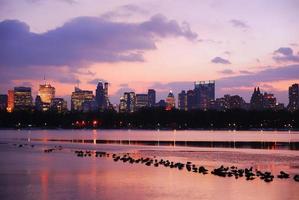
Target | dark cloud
(227,71)
(84,40)
(285,54)
(239,23)
(219,60)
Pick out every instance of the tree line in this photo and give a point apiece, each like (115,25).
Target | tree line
(155,119)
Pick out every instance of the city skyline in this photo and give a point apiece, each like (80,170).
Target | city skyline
(166,45)
(201,97)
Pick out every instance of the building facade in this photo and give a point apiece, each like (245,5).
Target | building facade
(58,105)
(170,101)
(204,93)
(102,96)
(10,100)
(46,93)
(293,97)
(22,98)
(182,101)
(141,101)
(151,97)
(79,97)
(3,102)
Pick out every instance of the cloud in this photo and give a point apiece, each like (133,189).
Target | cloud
(285,54)
(85,40)
(236,84)
(219,60)
(227,71)
(289,72)
(96,81)
(246,72)
(239,24)
(127,10)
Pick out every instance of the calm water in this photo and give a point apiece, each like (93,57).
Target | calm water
(225,139)
(29,173)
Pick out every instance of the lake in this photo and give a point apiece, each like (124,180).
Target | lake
(28,173)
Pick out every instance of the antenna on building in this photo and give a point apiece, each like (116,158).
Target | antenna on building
(45,79)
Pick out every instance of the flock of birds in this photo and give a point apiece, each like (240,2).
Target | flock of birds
(233,171)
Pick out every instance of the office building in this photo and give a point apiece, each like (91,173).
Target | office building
(141,101)
(182,101)
(46,93)
(79,97)
(10,100)
(190,100)
(204,93)
(102,96)
(293,97)
(22,98)
(170,101)
(3,102)
(151,97)
(130,101)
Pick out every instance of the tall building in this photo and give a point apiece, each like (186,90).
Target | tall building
(190,100)
(38,104)
(182,100)
(204,93)
(102,95)
(22,98)
(130,101)
(170,101)
(46,93)
(79,97)
(3,102)
(122,105)
(58,105)
(293,97)
(256,101)
(90,106)
(10,100)
(151,97)
(141,101)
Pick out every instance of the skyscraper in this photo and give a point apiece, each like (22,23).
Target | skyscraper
(293,97)
(182,100)
(10,100)
(79,97)
(46,93)
(256,101)
(22,98)
(151,97)
(3,102)
(190,100)
(122,105)
(141,101)
(130,101)
(170,101)
(38,104)
(102,95)
(204,93)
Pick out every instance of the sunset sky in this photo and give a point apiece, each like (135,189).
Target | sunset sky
(160,44)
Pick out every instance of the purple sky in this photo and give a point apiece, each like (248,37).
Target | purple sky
(136,45)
